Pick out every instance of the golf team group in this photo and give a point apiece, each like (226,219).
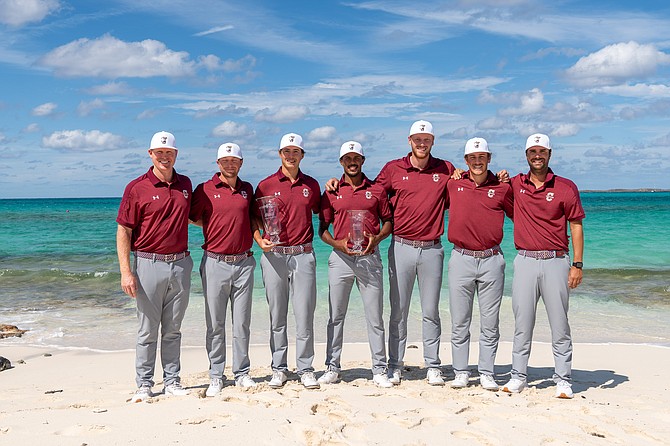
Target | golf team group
(407,201)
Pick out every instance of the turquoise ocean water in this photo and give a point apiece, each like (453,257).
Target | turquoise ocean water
(59,277)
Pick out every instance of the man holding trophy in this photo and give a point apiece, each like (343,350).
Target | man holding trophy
(285,203)
(355,210)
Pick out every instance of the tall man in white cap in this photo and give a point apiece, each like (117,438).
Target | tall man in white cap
(153,224)
(289,268)
(223,207)
(544,206)
(346,266)
(478,203)
(417,188)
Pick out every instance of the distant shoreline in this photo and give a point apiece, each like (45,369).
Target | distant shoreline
(626,190)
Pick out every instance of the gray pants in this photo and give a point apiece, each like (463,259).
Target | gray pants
(407,264)
(162,297)
(367,272)
(548,279)
(485,277)
(294,276)
(223,282)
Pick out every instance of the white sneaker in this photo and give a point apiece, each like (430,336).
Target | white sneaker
(514,385)
(488,383)
(278,379)
(215,386)
(176,389)
(142,394)
(434,377)
(329,377)
(309,381)
(461,380)
(395,376)
(563,389)
(382,380)
(245,381)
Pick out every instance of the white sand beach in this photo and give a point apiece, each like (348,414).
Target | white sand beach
(77,397)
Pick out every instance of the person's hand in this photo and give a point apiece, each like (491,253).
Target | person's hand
(458,173)
(503,176)
(575,277)
(332,184)
(342,245)
(129,284)
(373,241)
(265,244)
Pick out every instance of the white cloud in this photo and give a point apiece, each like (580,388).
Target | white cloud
(637,90)
(529,103)
(86,108)
(109,57)
(282,114)
(83,141)
(31,128)
(45,109)
(110,88)
(493,123)
(231,129)
(616,64)
(325,133)
(217,29)
(566,130)
(21,12)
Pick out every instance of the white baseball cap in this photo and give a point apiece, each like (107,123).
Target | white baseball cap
(475,145)
(538,139)
(291,140)
(162,140)
(351,147)
(421,127)
(229,149)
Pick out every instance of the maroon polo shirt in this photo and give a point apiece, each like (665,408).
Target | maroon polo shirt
(477,213)
(368,196)
(297,203)
(418,197)
(541,215)
(157,212)
(225,215)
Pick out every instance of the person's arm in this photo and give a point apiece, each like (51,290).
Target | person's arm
(374,240)
(340,245)
(128,280)
(577,234)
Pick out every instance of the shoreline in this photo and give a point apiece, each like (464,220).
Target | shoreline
(79,396)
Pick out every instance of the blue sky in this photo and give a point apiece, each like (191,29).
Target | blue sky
(85,84)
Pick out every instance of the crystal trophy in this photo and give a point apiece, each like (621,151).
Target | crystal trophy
(357,229)
(269,207)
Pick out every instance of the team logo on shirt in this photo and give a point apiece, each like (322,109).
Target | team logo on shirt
(217,195)
(305,192)
(368,194)
(277,194)
(460,189)
(550,196)
(185,192)
(244,194)
(436,177)
(522,191)
(155,197)
(339,197)
(405,178)
(491,193)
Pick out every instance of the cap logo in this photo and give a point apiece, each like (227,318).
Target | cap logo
(422,127)
(163,139)
(351,146)
(537,139)
(476,144)
(291,138)
(228,149)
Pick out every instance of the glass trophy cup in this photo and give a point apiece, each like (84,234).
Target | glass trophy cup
(269,207)
(357,229)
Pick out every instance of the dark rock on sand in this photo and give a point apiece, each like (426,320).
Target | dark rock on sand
(4,364)
(7,331)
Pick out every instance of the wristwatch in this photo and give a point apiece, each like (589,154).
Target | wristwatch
(579,265)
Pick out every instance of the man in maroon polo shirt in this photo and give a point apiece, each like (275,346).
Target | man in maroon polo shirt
(417,189)
(544,206)
(222,206)
(289,267)
(478,203)
(153,224)
(355,258)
